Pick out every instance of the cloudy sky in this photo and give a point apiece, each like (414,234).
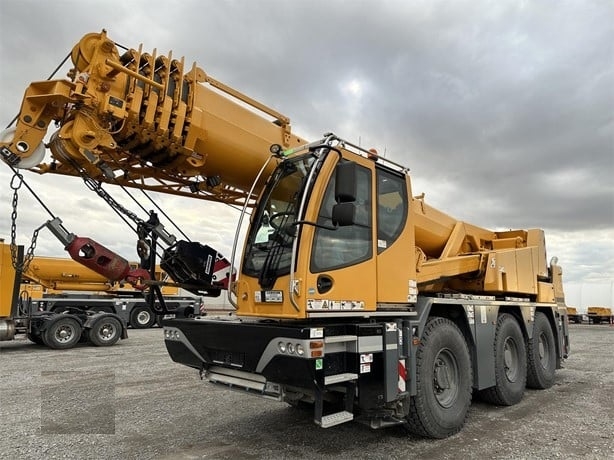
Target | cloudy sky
(503,110)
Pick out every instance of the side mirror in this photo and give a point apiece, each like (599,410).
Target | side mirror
(344,214)
(345,182)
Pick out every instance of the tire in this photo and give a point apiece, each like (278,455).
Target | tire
(541,354)
(36,338)
(63,333)
(142,318)
(510,364)
(105,331)
(444,380)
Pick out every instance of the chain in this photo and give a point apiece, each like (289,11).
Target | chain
(102,193)
(15,184)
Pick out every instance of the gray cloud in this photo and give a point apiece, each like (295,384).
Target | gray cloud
(503,110)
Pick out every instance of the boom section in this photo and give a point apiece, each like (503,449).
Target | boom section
(144,120)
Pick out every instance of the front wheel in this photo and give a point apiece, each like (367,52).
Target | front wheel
(510,363)
(444,378)
(105,331)
(541,354)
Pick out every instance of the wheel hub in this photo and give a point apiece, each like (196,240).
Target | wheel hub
(543,351)
(106,331)
(446,378)
(510,360)
(143,317)
(64,334)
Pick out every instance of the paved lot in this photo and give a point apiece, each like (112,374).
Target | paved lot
(131,401)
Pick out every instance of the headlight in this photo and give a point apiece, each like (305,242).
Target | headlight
(299,349)
(282,347)
(167,334)
(290,348)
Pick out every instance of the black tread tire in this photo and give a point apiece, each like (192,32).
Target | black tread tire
(541,354)
(105,331)
(36,338)
(52,336)
(508,389)
(136,320)
(428,416)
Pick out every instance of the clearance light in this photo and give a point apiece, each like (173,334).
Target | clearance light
(316,348)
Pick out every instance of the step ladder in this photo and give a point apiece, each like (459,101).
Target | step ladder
(347,380)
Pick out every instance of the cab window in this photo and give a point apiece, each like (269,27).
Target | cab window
(391,208)
(346,245)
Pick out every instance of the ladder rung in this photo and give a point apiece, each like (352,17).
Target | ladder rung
(337,378)
(336,419)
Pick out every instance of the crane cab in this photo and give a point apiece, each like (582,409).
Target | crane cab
(324,236)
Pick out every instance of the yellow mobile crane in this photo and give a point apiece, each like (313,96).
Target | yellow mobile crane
(59,278)
(31,299)
(18,315)
(352,295)
(597,315)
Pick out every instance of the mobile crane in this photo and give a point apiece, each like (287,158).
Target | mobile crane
(597,315)
(60,331)
(353,296)
(52,282)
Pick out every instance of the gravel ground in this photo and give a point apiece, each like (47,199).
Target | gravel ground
(131,401)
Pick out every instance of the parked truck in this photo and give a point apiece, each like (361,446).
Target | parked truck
(598,315)
(353,296)
(573,315)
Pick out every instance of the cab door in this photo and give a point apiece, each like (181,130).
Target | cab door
(342,267)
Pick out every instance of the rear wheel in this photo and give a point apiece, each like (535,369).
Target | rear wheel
(142,318)
(62,333)
(443,381)
(510,363)
(541,354)
(105,331)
